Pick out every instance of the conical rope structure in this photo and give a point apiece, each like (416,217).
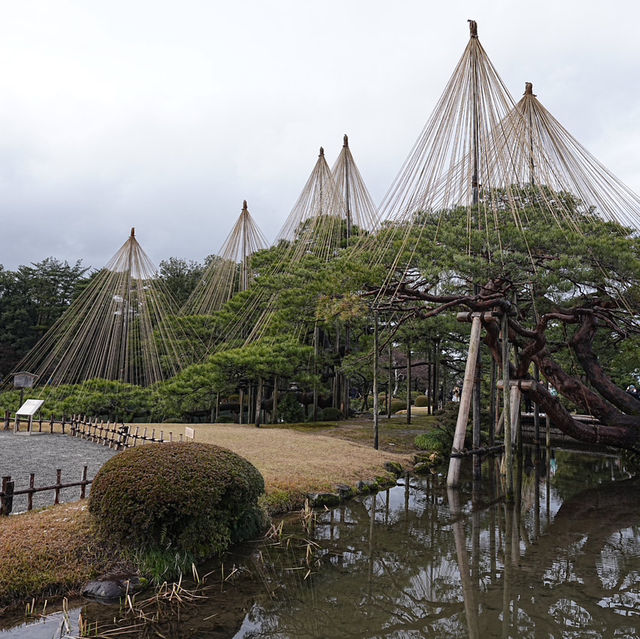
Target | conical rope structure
(316,226)
(230,271)
(359,209)
(481,151)
(549,248)
(317,222)
(116,329)
(542,152)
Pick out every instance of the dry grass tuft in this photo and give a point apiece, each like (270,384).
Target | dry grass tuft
(48,551)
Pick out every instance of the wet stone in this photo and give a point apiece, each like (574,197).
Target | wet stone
(344,491)
(367,486)
(104,590)
(393,467)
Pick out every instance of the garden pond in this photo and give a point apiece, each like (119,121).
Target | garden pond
(419,560)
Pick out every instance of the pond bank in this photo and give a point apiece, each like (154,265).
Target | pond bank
(54,551)
(560,560)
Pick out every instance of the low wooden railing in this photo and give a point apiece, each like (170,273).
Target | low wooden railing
(112,434)
(8,491)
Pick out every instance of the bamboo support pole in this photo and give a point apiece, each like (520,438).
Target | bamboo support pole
(455,464)
(274,414)
(375,381)
(536,408)
(316,347)
(390,380)
(408,382)
(506,397)
(258,410)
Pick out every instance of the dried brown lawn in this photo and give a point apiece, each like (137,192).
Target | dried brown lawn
(303,462)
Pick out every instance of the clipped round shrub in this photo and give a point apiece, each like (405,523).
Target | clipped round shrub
(188,496)
(330,414)
(397,404)
(421,400)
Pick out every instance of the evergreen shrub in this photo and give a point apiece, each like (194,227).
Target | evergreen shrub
(330,414)
(421,400)
(434,441)
(186,496)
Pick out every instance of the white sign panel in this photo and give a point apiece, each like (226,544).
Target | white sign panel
(30,407)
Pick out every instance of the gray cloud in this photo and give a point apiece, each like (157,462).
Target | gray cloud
(166,115)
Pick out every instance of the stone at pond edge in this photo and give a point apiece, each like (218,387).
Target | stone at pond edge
(110,590)
(324,499)
(393,467)
(382,482)
(344,491)
(367,486)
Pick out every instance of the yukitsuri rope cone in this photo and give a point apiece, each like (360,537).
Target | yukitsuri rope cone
(513,173)
(229,272)
(481,151)
(334,205)
(117,328)
(359,210)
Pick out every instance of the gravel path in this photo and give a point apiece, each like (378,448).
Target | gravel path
(21,454)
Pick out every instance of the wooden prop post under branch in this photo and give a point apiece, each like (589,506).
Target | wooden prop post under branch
(476,319)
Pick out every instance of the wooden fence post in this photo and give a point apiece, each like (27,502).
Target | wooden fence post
(7,420)
(32,482)
(83,487)
(58,485)
(6,497)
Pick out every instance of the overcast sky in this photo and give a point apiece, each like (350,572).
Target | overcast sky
(165,115)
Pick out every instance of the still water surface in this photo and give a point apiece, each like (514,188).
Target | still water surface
(421,561)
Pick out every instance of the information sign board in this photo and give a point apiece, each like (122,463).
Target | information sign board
(30,407)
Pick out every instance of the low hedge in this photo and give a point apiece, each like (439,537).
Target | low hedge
(187,496)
